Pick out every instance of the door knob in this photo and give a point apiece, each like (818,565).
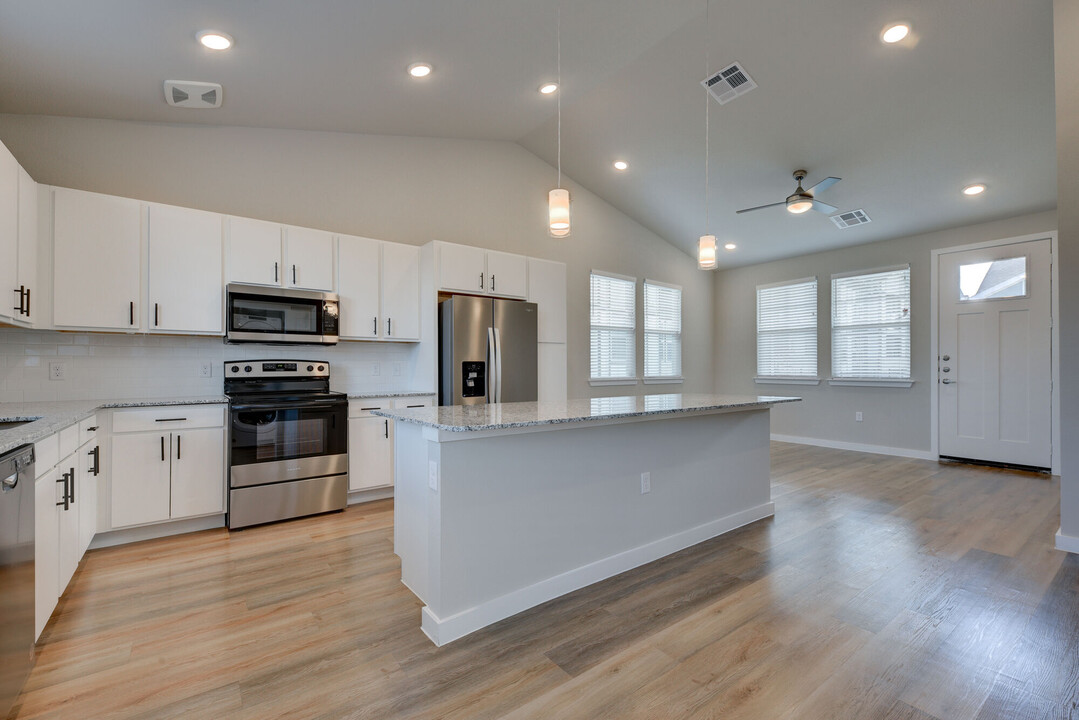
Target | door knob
(947,369)
(946,358)
(946,381)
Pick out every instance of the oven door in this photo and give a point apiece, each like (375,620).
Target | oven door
(271,443)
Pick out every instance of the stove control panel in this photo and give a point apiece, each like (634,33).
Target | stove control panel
(277,369)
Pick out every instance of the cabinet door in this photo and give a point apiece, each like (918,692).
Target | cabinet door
(96,260)
(186,276)
(68,521)
(198,472)
(400,291)
(358,262)
(508,274)
(140,478)
(46,550)
(28,244)
(254,252)
(9,234)
(309,259)
(370,452)
(461,268)
(87,484)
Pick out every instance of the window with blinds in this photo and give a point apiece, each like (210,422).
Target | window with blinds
(614,323)
(787,329)
(871,324)
(662,330)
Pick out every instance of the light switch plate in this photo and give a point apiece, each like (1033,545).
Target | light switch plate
(205,370)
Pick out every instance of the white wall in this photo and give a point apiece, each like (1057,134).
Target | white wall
(1066,27)
(402,189)
(892,417)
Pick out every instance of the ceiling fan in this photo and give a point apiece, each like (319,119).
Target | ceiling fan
(802,200)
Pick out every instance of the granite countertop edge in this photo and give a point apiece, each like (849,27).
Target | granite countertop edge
(391,394)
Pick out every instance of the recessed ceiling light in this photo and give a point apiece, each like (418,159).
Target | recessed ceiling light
(976,189)
(215,40)
(729,246)
(895,33)
(620,165)
(548,88)
(419,70)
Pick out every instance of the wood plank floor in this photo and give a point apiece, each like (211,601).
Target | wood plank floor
(883,588)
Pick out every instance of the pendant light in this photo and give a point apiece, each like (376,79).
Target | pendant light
(558,199)
(706,246)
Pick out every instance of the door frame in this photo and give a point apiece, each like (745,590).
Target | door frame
(934,337)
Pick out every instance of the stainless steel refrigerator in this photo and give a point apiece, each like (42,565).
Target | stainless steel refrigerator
(487,351)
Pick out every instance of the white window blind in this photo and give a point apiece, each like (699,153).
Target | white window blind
(871,324)
(614,323)
(662,330)
(787,329)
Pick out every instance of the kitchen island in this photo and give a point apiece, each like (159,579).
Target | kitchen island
(501,507)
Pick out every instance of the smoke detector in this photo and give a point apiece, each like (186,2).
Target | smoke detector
(729,83)
(850,219)
(192,94)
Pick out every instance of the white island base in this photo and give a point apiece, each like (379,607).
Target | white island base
(490,522)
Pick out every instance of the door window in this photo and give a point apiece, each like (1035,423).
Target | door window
(992,280)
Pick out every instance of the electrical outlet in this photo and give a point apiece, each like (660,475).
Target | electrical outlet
(375,369)
(858,416)
(205,370)
(397,369)
(432,475)
(57,370)
(646,483)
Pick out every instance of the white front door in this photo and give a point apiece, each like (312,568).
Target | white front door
(994,365)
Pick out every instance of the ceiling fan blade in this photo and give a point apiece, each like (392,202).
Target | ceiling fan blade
(824,207)
(823,185)
(760,207)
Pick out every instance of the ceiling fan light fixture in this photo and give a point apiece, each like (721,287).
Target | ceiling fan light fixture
(799,205)
(706,252)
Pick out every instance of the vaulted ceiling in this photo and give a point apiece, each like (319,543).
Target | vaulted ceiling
(968,97)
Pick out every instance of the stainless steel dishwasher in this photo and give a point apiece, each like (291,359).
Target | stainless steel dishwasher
(16,572)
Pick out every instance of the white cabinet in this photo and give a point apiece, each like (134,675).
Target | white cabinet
(96,261)
(167,463)
(463,268)
(507,274)
(186,275)
(9,235)
(401,291)
(89,473)
(46,547)
(308,259)
(379,289)
(27,247)
(359,262)
(254,252)
(370,440)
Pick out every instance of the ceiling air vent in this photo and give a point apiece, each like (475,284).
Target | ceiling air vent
(850,219)
(729,83)
(192,94)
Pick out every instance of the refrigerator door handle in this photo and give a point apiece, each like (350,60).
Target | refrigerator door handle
(491,376)
(498,365)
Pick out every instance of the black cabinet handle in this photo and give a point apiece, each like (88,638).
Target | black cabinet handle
(374,329)
(389,327)
(492,282)
(481,281)
(131,313)
(386,430)
(371,408)
(72,476)
(21,292)
(178,447)
(169,419)
(162,448)
(96,455)
(155,315)
(65,503)
(28,302)
(92,428)
(275,272)
(293,274)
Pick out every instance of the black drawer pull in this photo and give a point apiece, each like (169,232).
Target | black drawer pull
(169,419)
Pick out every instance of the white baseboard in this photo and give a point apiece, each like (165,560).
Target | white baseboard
(152,532)
(1067,543)
(445,630)
(362,496)
(857,447)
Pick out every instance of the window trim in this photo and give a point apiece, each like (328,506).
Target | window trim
(610,381)
(660,379)
(813,379)
(897,382)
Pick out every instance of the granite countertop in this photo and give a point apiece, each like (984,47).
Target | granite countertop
(499,416)
(389,394)
(50,417)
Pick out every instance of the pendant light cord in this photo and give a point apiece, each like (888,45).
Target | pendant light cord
(558,45)
(707,108)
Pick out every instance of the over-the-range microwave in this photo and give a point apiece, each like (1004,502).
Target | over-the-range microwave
(280,316)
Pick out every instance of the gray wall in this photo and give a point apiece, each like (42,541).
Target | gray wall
(402,189)
(1066,27)
(892,417)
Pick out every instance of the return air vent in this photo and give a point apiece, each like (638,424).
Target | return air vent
(850,219)
(192,94)
(729,83)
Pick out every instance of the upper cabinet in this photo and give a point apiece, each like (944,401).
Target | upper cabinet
(263,253)
(308,259)
(254,252)
(467,269)
(379,289)
(96,261)
(185,249)
(12,301)
(25,313)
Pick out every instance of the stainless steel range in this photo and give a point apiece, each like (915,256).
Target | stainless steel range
(288,441)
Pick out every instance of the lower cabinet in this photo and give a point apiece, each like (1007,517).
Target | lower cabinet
(370,441)
(167,463)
